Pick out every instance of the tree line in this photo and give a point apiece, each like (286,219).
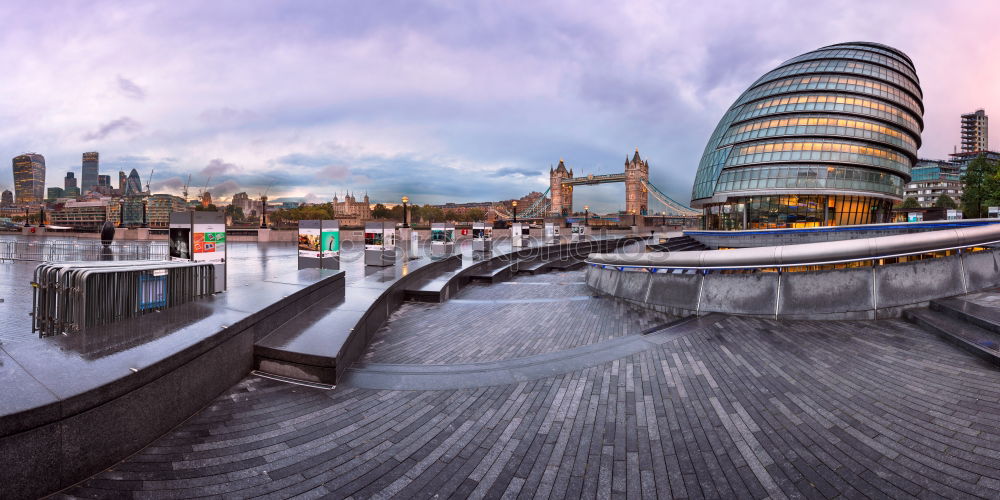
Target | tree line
(418,214)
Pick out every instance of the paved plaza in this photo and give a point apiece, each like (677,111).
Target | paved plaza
(721,406)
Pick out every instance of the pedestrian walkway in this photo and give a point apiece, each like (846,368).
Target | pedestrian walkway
(733,407)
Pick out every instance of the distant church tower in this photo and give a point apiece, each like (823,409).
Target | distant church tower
(636,197)
(562,196)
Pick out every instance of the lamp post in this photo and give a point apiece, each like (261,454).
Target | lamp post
(121,212)
(145,220)
(41,215)
(514,204)
(27,218)
(586,215)
(263,212)
(406,222)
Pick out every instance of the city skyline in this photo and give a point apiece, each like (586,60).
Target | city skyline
(460,103)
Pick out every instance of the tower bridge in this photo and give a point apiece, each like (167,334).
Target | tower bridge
(638,189)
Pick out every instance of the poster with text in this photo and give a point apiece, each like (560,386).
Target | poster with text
(309,242)
(209,243)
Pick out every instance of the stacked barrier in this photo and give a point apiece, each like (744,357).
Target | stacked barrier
(70,296)
(84,250)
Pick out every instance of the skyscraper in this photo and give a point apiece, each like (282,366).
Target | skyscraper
(121,180)
(29,178)
(6,198)
(90,172)
(975,131)
(69,181)
(133,185)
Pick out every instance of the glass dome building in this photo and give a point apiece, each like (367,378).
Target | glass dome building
(825,139)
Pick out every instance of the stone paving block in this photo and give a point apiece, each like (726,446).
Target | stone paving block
(742,407)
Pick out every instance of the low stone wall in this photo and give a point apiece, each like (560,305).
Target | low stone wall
(855,293)
(54,445)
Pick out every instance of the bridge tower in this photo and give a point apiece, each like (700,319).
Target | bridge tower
(562,196)
(636,197)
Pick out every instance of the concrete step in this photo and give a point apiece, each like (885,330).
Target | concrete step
(567,264)
(981,342)
(434,289)
(494,274)
(984,317)
(534,267)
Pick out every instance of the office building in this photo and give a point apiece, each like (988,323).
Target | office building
(81,215)
(6,198)
(29,179)
(932,178)
(54,193)
(826,138)
(89,172)
(975,131)
(133,185)
(69,181)
(964,158)
(159,207)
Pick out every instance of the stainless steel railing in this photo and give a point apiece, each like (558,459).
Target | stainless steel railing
(71,296)
(810,254)
(44,251)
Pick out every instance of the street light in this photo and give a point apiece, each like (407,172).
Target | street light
(41,215)
(145,221)
(406,200)
(514,204)
(586,215)
(121,212)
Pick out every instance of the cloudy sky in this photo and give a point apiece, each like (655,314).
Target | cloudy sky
(439,100)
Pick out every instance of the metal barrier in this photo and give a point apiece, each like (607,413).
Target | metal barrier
(82,251)
(809,254)
(70,296)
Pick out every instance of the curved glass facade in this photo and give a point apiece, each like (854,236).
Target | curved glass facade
(826,138)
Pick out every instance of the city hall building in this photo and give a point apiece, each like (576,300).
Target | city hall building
(827,138)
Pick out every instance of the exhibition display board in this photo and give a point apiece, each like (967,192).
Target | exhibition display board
(200,237)
(578,232)
(551,233)
(380,243)
(520,234)
(319,244)
(442,238)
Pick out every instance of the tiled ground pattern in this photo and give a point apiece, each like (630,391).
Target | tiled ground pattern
(742,408)
(530,315)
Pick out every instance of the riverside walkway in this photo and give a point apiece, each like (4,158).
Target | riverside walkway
(719,406)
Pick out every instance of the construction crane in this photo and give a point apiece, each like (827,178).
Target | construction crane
(149,179)
(184,190)
(203,191)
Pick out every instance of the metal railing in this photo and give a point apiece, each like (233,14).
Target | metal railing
(44,251)
(809,254)
(71,296)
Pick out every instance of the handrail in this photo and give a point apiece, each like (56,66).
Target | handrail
(678,207)
(810,254)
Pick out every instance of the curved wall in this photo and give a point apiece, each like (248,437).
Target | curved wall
(826,138)
(854,293)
